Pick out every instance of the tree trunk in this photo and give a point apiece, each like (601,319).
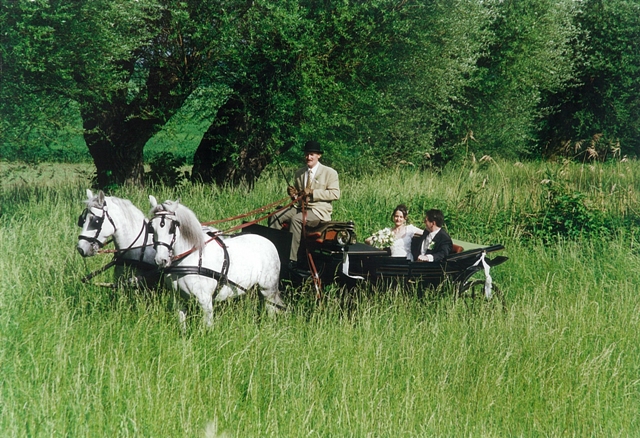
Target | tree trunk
(117,130)
(116,145)
(233,150)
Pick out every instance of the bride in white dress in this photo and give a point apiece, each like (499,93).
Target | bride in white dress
(402,233)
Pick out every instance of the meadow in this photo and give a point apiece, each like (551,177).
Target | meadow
(561,359)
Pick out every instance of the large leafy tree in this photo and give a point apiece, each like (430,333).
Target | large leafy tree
(129,66)
(371,80)
(602,110)
(260,114)
(532,53)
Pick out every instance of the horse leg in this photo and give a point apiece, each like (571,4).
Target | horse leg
(192,286)
(180,300)
(205,299)
(273,302)
(182,319)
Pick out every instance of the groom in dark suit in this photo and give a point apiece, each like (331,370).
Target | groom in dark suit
(436,243)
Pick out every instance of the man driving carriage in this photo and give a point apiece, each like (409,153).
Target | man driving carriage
(317,185)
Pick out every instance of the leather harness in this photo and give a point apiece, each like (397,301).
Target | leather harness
(119,256)
(221,277)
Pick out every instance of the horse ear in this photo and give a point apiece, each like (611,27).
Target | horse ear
(89,194)
(101,200)
(153,201)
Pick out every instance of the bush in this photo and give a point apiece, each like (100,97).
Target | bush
(166,169)
(567,214)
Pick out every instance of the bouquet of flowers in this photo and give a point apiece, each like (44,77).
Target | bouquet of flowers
(382,239)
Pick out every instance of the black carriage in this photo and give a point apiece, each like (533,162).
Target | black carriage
(331,253)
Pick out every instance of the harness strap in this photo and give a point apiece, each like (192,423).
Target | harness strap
(205,272)
(98,271)
(221,277)
(136,264)
(119,259)
(144,243)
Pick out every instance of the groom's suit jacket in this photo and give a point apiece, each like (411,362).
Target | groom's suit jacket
(442,245)
(326,188)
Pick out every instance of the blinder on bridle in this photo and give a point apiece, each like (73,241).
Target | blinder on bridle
(95,223)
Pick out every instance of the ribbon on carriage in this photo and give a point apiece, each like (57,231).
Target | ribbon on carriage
(345,267)
(487,281)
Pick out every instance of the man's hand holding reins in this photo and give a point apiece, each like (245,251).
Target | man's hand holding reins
(307,192)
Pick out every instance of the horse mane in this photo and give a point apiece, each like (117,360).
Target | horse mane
(190,227)
(131,212)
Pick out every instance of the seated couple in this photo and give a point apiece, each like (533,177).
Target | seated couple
(435,243)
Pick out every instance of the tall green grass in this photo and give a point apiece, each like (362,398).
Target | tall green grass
(560,360)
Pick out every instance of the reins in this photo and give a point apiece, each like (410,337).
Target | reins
(241,226)
(252,212)
(220,276)
(118,255)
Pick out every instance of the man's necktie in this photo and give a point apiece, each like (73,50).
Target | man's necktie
(309,175)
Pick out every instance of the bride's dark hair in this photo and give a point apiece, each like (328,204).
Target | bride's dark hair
(402,209)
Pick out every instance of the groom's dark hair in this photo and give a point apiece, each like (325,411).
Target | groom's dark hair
(435,216)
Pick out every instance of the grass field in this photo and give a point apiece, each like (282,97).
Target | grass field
(560,360)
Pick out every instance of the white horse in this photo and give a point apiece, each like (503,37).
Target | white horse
(106,216)
(208,268)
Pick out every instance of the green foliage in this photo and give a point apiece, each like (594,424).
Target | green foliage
(531,53)
(381,83)
(567,215)
(167,169)
(603,103)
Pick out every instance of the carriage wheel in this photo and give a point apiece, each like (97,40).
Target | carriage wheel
(474,289)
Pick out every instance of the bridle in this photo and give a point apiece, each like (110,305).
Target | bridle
(221,277)
(173,228)
(95,222)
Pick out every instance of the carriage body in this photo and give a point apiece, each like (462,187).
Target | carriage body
(339,258)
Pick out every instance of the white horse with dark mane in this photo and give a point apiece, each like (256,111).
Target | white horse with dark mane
(107,216)
(207,267)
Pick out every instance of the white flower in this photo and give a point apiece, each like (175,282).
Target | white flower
(383,238)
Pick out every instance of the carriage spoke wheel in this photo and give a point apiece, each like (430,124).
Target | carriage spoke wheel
(473,291)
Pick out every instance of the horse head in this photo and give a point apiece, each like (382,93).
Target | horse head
(95,229)
(175,228)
